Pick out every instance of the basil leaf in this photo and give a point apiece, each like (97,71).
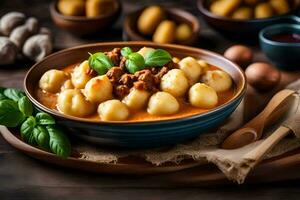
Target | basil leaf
(157,58)
(44,119)
(13,94)
(41,137)
(10,115)
(2,97)
(27,130)
(100,63)
(59,143)
(135,62)
(25,106)
(126,51)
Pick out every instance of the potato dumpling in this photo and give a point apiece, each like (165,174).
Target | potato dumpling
(71,7)
(204,65)
(136,99)
(67,85)
(203,96)
(219,80)
(191,69)
(263,10)
(80,75)
(96,8)
(183,32)
(143,51)
(98,89)
(149,19)
(162,103)
(224,7)
(52,80)
(113,110)
(243,13)
(72,102)
(165,32)
(174,82)
(280,6)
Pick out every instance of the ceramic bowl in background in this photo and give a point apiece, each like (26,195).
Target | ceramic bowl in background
(178,15)
(285,55)
(137,134)
(81,25)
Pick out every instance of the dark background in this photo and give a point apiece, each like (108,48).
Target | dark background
(22,177)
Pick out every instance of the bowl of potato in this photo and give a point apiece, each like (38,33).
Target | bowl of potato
(136,94)
(245,18)
(84,17)
(162,25)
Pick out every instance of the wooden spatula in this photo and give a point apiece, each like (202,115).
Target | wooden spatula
(252,131)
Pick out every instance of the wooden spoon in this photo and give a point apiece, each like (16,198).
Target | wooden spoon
(252,131)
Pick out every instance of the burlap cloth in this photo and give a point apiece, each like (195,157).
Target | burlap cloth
(203,149)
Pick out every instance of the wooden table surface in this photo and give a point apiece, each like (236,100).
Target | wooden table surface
(22,177)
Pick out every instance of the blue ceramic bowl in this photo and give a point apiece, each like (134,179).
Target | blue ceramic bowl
(138,134)
(284,55)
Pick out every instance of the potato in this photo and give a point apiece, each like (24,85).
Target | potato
(143,51)
(203,96)
(52,80)
(95,8)
(98,89)
(243,13)
(175,60)
(72,102)
(71,7)
(219,80)
(165,32)
(113,110)
(67,85)
(191,69)
(224,7)
(149,19)
(280,6)
(204,65)
(263,10)
(80,75)
(174,82)
(136,99)
(162,103)
(183,32)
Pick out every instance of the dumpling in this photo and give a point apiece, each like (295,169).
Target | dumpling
(98,89)
(191,69)
(162,103)
(203,96)
(113,110)
(204,65)
(136,99)
(52,80)
(217,79)
(72,102)
(174,82)
(80,75)
(143,51)
(67,85)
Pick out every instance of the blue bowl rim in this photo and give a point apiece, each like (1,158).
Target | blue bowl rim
(239,94)
(264,39)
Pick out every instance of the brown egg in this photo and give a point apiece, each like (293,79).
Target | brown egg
(239,54)
(262,76)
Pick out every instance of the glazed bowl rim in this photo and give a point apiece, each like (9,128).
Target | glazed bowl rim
(239,94)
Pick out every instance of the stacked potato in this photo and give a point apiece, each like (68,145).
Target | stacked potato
(251,9)
(152,22)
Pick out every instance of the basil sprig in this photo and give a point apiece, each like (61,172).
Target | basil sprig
(16,110)
(135,62)
(126,51)
(100,63)
(157,58)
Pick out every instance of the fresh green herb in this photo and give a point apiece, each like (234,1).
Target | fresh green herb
(157,58)
(2,96)
(100,63)
(135,62)
(59,143)
(25,106)
(27,130)
(41,137)
(44,119)
(126,51)
(13,94)
(10,115)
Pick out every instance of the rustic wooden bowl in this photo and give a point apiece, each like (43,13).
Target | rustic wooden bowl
(178,15)
(81,25)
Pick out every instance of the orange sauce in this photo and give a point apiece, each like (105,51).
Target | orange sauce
(50,100)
